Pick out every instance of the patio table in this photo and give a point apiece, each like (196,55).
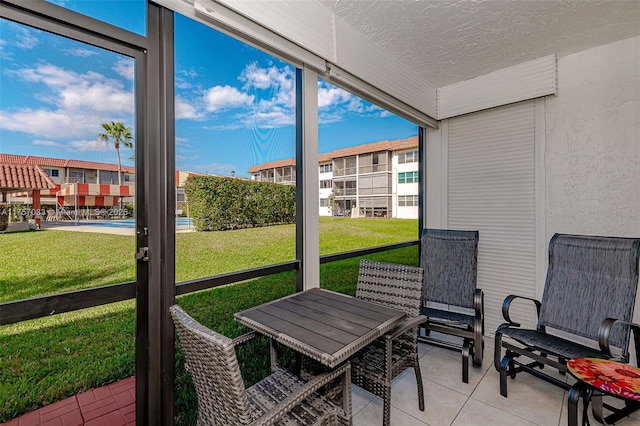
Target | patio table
(323,325)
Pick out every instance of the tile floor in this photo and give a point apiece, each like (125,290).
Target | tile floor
(448,401)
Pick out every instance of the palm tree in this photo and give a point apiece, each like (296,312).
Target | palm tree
(120,135)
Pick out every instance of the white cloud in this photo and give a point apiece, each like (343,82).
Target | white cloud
(80,52)
(126,68)
(185,110)
(82,145)
(230,126)
(52,144)
(224,97)
(280,81)
(329,96)
(214,168)
(90,145)
(24,38)
(78,103)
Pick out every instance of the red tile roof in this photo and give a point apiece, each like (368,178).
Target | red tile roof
(273,165)
(23,176)
(395,145)
(59,162)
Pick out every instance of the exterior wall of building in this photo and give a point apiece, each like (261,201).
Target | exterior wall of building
(592,152)
(325,210)
(405,195)
(363,179)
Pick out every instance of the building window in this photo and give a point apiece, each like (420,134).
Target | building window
(180,195)
(324,202)
(408,157)
(76,176)
(325,183)
(408,177)
(52,172)
(407,201)
(127,178)
(326,168)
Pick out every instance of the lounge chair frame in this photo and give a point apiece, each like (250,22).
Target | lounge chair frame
(450,261)
(589,279)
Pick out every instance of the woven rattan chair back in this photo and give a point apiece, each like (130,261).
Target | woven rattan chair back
(394,285)
(211,360)
(589,279)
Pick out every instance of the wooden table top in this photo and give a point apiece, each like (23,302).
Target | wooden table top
(321,324)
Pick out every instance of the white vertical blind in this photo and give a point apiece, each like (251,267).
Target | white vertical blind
(491,188)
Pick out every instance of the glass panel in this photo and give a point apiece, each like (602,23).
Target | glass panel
(64,232)
(235,154)
(130,15)
(360,146)
(342,275)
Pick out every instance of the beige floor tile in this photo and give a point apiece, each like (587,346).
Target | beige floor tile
(541,406)
(475,413)
(447,371)
(371,415)
(359,399)
(441,403)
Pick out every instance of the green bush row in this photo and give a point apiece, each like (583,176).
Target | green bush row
(218,203)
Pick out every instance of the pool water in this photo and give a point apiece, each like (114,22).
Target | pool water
(181,222)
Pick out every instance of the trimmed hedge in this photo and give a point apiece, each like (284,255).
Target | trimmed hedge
(219,203)
(5,211)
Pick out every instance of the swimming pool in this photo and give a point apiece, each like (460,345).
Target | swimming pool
(181,223)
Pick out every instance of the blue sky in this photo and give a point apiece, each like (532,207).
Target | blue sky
(235,105)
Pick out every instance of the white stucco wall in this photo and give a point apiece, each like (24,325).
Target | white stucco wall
(592,148)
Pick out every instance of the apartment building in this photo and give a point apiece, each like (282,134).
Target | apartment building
(378,179)
(81,183)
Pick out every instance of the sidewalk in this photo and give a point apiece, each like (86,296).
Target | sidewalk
(110,405)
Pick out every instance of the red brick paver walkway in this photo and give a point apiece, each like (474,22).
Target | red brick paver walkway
(110,405)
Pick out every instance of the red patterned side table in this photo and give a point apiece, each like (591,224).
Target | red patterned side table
(598,377)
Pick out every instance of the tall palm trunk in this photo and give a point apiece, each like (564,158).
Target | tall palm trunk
(119,166)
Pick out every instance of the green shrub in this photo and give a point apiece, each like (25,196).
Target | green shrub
(218,203)
(5,212)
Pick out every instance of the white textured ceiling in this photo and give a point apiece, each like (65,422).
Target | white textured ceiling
(446,41)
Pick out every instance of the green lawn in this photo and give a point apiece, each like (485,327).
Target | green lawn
(44,360)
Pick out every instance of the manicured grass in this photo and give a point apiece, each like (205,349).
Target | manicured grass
(44,360)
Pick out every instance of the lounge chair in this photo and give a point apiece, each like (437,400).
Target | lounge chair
(450,298)
(589,279)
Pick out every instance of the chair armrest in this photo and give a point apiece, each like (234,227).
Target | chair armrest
(605,330)
(277,412)
(240,340)
(478,303)
(507,304)
(405,326)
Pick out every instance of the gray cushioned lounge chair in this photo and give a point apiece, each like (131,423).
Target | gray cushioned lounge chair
(374,367)
(589,279)
(450,298)
(280,399)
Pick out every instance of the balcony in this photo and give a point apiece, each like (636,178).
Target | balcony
(345,172)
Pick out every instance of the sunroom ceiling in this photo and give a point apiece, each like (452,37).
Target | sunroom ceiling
(447,41)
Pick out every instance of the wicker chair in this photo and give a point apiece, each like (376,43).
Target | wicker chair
(374,367)
(589,279)
(280,399)
(450,299)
